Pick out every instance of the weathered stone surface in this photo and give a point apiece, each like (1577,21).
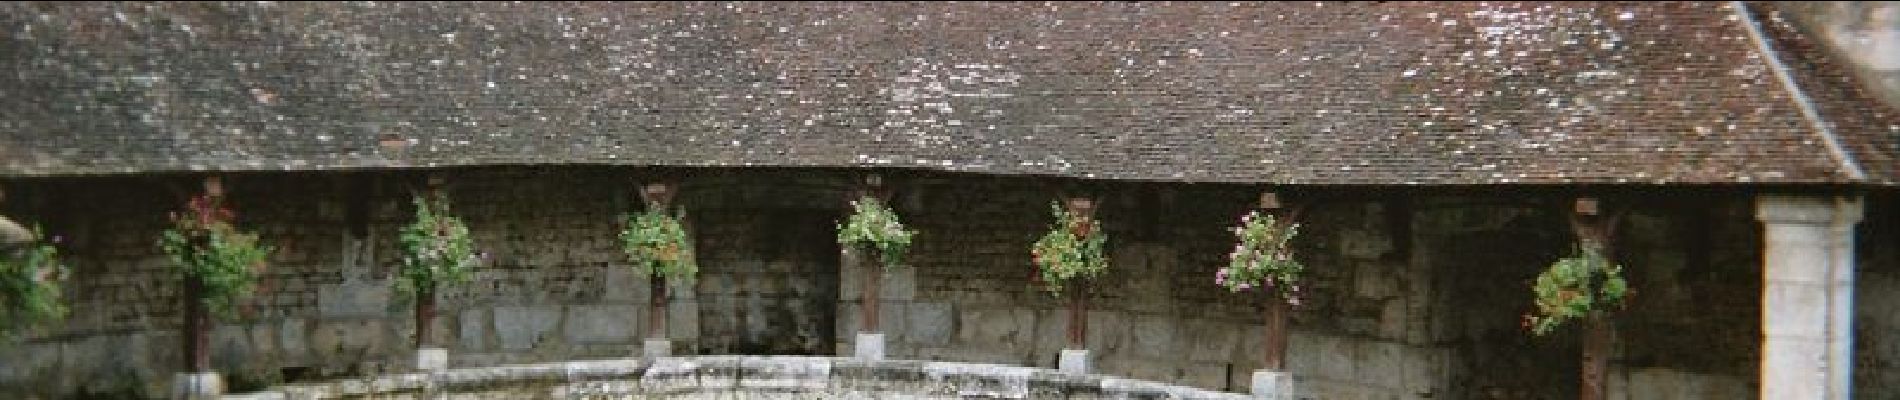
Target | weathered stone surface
(354,298)
(521,328)
(601,323)
(930,323)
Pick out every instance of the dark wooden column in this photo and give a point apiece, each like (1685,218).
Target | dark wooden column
(1277,309)
(658,196)
(1083,209)
(425,291)
(197,337)
(873,186)
(1594,231)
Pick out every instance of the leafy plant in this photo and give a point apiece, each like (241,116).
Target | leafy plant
(203,245)
(1262,258)
(29,285)
(1573,288)
(436,248)
(1062,254)
(656,243)
(873,224)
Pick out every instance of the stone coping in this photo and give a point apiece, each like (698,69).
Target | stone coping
(775,376)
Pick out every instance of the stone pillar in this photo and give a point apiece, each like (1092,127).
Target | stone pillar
(1074,361)
(1807,296)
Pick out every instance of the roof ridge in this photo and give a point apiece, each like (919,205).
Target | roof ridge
(1796,95)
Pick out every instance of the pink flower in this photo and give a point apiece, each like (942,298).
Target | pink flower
(1293,301)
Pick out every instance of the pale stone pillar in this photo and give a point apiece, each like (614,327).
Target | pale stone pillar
(429,359)
(193,386)
(1807,296)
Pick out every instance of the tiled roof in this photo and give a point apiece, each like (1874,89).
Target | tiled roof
(1304,93)
(1867,129)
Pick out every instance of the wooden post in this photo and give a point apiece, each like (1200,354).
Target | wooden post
(1084,210)
(1276,308)
(197,319)
(658,196)
(874,269)
(425,293)
(1594,230)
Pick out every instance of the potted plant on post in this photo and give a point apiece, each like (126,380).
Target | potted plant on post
(872,228)
(1070,253)
(218,266)
(436,251)
(1586,286)
(658,247)
(1263,259)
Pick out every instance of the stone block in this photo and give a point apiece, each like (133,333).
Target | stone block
(898,284)
(1108,330)
(432,359)
(354,299)
(930,323)
(869,346)
(348,339)
(230,346)
(682,319)
(1210,341)
(995,329)
(1273,385)
(607,323)
(1339,357)
(473,335)
(1074,361)
(1153,337)
(207,386)
(521,328)
(1379,362)
(655,348)
(293,339)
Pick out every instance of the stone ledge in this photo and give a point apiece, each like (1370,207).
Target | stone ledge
(778,376)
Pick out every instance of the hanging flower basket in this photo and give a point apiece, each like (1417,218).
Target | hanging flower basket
(436,248)
(875,226)
(1072,249)
(1574,288)
(202,244)
(1262,259)
(656,243)
(30,279)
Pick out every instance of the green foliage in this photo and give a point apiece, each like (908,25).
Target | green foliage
(203,245)
(1061,255)
(1575,287)
(29,286)
(436,248)
(1262,258)
(656,243)
(873,224)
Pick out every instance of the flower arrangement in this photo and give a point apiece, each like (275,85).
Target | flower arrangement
(1072,249)
(203,245)
(873,224)
(29,285)
(657,243)
(436,248)
(1573,288)
(1262,259)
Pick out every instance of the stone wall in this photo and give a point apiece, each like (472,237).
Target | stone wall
(742,377)
(1416,294)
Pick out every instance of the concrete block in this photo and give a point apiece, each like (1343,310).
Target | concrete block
(682,318)
(869,346)
(1273,385)
(207,385)
(521,328)
(1074,361)
(432,359)
(609,323)
(995,328)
